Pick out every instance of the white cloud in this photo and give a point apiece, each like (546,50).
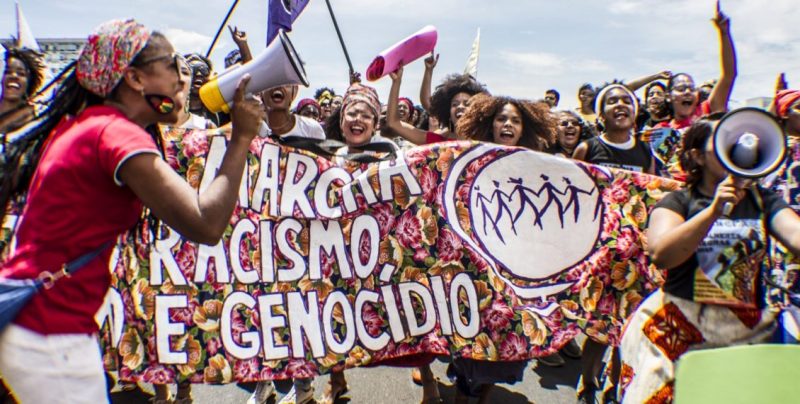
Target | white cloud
(187,41)
(539,63)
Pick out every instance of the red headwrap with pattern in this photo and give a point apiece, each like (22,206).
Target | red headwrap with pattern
(108,52)
(784,100)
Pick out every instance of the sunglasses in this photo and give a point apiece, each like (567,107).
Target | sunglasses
(178,61)
(199,68)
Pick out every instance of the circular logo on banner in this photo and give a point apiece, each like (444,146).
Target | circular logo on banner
(534,214)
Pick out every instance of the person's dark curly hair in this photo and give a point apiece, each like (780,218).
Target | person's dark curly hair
(538,124)
(322,90)
(33,62)
(452,85)
(196,56)
(696,137)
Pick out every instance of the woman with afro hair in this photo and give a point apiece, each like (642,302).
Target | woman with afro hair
(448,104)
(508,122)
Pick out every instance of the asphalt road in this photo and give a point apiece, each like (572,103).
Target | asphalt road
(394,386)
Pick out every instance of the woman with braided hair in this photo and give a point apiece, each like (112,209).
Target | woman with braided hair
(86,172)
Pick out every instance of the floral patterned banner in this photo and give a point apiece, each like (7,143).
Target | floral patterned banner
(459,248)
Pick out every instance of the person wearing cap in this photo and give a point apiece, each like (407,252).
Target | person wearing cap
(616,147)
(308,108)
(22,76)
(100,166)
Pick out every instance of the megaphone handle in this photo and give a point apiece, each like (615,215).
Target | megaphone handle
(727,209)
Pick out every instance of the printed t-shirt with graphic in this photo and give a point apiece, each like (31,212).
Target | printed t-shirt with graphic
(636,158)
(725,268)
(704,108)
(76,203)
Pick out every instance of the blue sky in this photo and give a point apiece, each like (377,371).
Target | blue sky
(526,46)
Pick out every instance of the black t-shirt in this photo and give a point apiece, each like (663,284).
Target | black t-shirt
(723,239)
(637,158)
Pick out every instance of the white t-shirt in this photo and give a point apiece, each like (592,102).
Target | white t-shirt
(195,122)
(306,127)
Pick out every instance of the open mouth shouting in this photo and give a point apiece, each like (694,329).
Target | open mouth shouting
(357,129)
(12,85)
(277,96)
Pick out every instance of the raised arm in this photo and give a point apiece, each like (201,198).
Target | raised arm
(425,88)
(240,39)
(718,100)
(200,218)
(636,84)
(408,132)
(671,239)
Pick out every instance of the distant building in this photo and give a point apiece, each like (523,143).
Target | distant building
(58,52)
(758,102)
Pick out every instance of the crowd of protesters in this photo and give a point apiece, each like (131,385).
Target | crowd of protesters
(129,84)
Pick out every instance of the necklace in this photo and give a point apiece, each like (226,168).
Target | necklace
(286,127)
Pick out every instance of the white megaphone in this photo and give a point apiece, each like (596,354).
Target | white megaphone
(277,66)
(750,144)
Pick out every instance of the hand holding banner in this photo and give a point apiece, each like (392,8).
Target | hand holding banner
(402,53)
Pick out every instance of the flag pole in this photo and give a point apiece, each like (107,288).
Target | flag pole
(341,41)
(221,27)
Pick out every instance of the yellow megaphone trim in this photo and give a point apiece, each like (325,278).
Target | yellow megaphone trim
(212,97)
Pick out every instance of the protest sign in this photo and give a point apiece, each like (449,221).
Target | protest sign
(461,248)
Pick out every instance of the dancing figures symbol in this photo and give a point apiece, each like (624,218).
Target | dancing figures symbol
(549,214)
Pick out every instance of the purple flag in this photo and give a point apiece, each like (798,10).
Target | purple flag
(281,15)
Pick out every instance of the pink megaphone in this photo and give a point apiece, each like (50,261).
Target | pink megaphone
(402,53)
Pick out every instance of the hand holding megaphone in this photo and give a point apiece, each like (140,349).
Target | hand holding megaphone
(728,194)
(247,113)
(749,143)
(278,65)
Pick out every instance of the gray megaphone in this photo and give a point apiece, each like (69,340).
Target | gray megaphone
(277,66)
(750,144)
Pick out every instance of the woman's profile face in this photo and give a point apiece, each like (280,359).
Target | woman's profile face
(167,73)
(710,162)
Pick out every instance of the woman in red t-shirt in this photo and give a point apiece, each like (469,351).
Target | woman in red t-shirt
(86,171)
